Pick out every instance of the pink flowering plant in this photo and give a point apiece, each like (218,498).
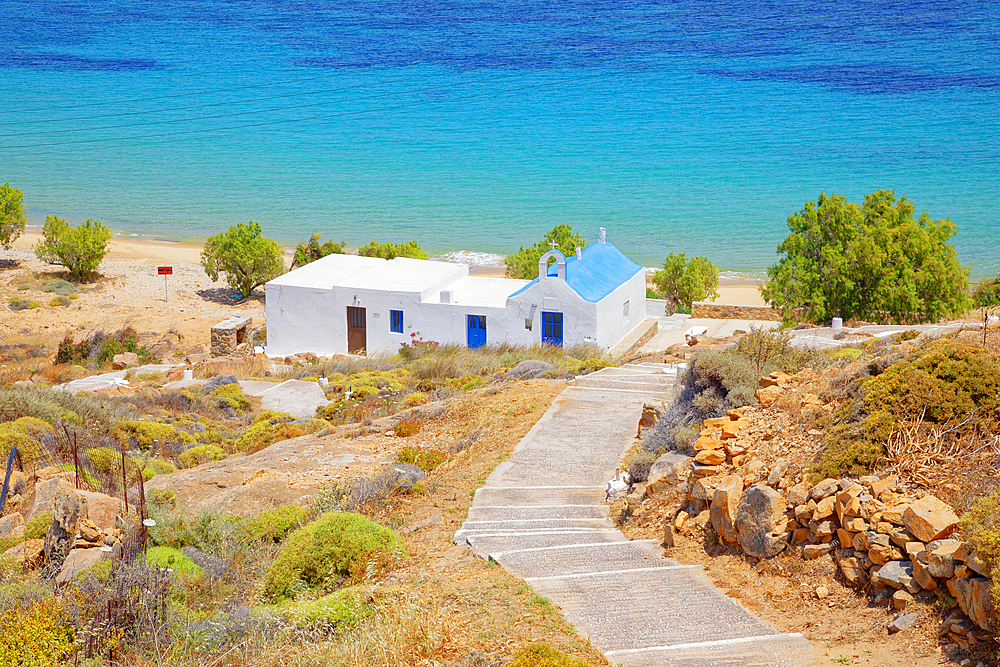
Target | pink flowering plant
(417,347)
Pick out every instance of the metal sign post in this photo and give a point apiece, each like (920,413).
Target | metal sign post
(165,271)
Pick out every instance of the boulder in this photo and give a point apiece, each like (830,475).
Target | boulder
(68,510)
(941,558)
(854,571)
(528,369)
(219,381)
(9,523)
(710,457)
(900,600)
(973,595)
(798,494)
(902,622)
(897,574)
(124,360)
(704,489)
(894,514)
(665,472)
(824,508)
(707,442)
(920,573)
(28,553)
(880,486)
(814,551)
(45,495)
(76,562)
(827,487)
(759,510)
(930,519)
(777,473)
(976,563)
(725,506)
(767,396)
(102,509)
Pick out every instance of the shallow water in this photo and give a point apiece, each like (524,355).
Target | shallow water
(477,125)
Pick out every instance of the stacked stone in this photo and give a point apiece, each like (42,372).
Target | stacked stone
(876,534)
(82,522)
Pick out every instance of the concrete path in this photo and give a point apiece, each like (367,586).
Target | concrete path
(111,380)
(542,517)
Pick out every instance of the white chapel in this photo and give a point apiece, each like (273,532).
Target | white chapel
(347,304)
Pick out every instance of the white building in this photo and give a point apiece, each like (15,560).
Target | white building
(347,304)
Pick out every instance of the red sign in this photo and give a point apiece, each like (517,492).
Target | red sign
(165,270)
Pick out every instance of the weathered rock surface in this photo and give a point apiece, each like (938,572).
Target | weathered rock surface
(27,553)
(9,523)
(973,595)
(124,360)
(725,506)
(930,519)
(528,369)
(827,487)
(68,508)
(290,471)
(902,622)
(45,495)
(101,509)
(219,381)
(758,512)
(76,562)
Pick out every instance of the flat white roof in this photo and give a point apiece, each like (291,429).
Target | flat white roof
(405,275)
(480,291)
(328,272)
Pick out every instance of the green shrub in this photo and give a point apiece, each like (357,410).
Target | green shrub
(200,454)
(145,434)
(25,433)
(685,281)
(524,263)
(40,634)
(312,250)
(60,287)
(392,250)
(231,395)
(542,655)
(425,459)
(981,528)
(639,465)
(17,303)
(273,525)
(265,432)
(171,558)
(336,611)
(333,549)
(60,301)
(100,347)
(34,530)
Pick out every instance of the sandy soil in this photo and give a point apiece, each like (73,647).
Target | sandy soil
(127,291)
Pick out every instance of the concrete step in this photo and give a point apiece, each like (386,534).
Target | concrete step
(610,382)
(489,546)
(529,526)
(612,396)
(778,650)
(644,608)
(576,559)
(521,496)
(521,513)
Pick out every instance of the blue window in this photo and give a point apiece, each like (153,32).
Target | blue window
(552,328)
(396,321)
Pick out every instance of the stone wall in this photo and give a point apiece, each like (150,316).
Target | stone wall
(228,335)
(726,311)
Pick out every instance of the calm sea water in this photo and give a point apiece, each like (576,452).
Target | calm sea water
(684,126)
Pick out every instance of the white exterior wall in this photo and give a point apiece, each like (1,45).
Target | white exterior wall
(553,294)
(612,325)
(303,319)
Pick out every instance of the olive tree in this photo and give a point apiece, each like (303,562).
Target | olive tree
(524,263)
(80,249)
(685,281)
(11,214)
(247,259)
(873,261)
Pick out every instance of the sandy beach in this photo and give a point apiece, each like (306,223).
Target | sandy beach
(129,291)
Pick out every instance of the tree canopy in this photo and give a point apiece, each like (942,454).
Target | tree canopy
(80,249)
(987,293)
(312,250)
(247,259)
(11,214)
(685,281)
(873,261)
(524,263)
(392,250)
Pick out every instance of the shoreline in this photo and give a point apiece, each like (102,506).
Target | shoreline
(735,288)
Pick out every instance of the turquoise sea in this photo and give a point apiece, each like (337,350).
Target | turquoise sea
(477,125)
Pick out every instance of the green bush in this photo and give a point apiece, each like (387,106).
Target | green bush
(200,454)
(244,256)
(313,250)
(80,249)
(101,347)
(273,525)
(524,263)
(17,303)
(392,250)
(34,530)
(425,459)
(685,281)
(334,549)
(26,434)
(145,434)
(38,634)
(986,294)
(275,428)
(60,287)
(168,557)
(336,611)
(231,395)
(981,528)
(12,216)
(543,655)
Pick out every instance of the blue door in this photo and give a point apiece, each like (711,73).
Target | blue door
(552,328)
(477,330)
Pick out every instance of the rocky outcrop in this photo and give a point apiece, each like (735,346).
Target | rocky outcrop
(756,521)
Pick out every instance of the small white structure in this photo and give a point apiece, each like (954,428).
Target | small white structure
(347,304)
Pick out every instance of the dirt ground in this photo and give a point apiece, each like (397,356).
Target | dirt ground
(127,291)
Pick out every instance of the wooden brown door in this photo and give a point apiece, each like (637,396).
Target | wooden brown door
(357,336)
